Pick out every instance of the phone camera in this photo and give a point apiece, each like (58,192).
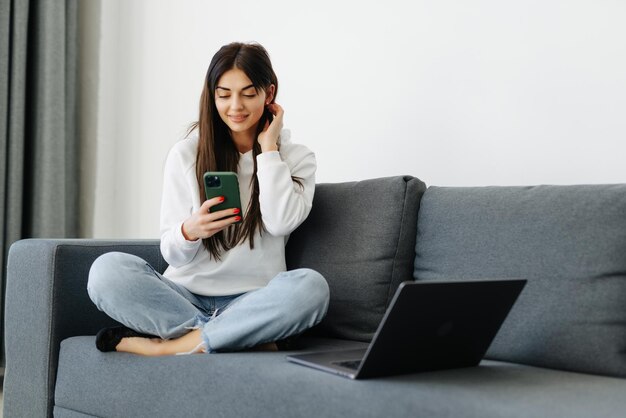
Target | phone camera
(213,181)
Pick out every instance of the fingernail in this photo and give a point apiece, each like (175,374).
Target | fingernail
(221,198)
(237,218)
(236,210)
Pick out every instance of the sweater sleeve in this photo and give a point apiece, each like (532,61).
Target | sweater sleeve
(176,207)
(284,203)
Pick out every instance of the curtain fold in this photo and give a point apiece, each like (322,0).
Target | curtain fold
(39,148)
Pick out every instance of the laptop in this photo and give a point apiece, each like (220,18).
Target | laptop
(429,325)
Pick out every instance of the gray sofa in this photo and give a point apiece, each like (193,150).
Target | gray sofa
(561,351)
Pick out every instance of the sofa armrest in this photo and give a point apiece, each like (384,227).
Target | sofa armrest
(46,302)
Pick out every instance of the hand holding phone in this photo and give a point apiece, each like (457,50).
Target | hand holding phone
(221,209)
(226,185)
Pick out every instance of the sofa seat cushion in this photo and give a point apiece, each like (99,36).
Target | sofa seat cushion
(263,384)
(361,237)
(569,242)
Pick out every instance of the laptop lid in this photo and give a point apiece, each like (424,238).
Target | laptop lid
(430,325)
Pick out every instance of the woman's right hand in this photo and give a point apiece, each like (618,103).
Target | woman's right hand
(204,224)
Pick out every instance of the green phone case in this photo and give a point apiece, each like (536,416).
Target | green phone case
(223,183)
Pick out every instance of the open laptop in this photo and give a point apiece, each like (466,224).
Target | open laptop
(429,325)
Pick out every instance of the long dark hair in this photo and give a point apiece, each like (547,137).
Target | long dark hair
(217,151)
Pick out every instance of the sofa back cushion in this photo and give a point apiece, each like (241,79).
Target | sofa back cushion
(568,241)
(361,237)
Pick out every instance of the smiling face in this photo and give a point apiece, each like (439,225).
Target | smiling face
(239,104)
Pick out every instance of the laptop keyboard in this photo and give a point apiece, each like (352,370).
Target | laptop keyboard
(350,364)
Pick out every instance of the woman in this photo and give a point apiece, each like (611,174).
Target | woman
(226,287)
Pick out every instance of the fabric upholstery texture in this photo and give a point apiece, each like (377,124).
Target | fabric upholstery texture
(47,301)
(264,384)
(361,237)
(569,242)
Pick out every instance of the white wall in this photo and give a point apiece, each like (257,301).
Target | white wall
(454,92)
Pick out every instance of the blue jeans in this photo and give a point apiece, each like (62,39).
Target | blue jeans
(130,291)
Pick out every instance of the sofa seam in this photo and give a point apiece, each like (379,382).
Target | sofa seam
(77,411)
(51,385)
(395,256)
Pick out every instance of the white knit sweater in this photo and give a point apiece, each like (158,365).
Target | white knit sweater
(284,206)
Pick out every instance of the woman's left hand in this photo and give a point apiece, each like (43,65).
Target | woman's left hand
(268,138)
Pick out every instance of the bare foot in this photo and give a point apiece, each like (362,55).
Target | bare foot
(138,345)
(184,344)
(159,347)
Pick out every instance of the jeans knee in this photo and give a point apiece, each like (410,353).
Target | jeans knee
(105,273)
(314,288)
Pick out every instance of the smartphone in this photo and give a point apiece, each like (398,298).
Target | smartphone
(223,183)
